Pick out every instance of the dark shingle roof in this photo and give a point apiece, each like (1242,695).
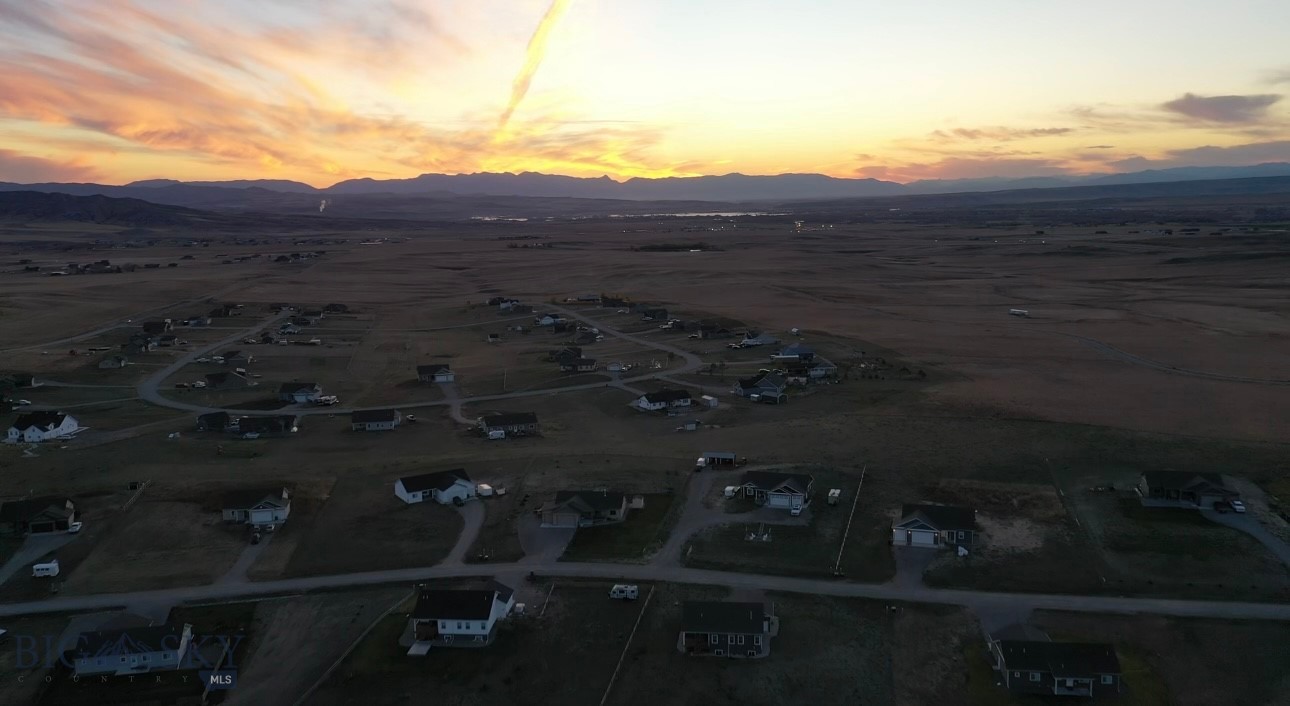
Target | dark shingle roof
(590,500)
(942,517)
(42,420)
(667,396)
(432,369)
(292,387)
(23,510)
(442,480)
(505,420)
(455,604)
(372,415)
(1061,659)
(266,425)
(130,641)
(243,499)
(1182,480)
(771,481)
(723,617)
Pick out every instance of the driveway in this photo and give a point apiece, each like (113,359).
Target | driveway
(542,545)
(472,515)
(33,548)
(1250,525)
(249,554)
(911,563)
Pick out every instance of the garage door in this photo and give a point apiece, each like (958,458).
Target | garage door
(921,538)
(780,500)
(561,519)
(41,527)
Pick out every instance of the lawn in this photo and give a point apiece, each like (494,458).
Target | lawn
(642,532)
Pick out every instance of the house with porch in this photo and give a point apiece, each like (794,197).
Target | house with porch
(39,515)
(584,508)
(444,487)
(786,491)
(257,507)
(936,526)
(578,365)
(1075,669)
(664,399)
(758,338)
(437,372)
(36,427)
(299,392)
(768,384)
(457,617)
(375,420)
(131,651)
(216,421)
(514,424)
(726,629)
(1183,489)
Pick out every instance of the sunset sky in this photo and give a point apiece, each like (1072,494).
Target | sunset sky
(325,90)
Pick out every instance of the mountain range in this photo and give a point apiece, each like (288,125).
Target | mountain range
(250,194)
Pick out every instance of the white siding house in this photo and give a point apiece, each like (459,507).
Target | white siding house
(259,507)
(132,651)
(458,617)
(375,420)
(664,399)
(443,487)
(35,427)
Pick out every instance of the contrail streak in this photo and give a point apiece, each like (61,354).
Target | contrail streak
(532,59)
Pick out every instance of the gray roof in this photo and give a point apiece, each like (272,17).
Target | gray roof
(455,604)
(1183,480)
(940,517)
(44,421)
(771,481)
(1061,659)
(372,415)
(587,500)
(723,617)
(244,499)
(24,510)
(432,369)
(667,396)
(442,480)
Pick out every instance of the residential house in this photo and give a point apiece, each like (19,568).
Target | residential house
(197,320)
(1183,489)
(312,317)
(566,354)
(288,329)
(277,425)
(223,311)
(787,491)
(709,331)
(237,358)
(439,372)
(796,351)
(257,507)
(579,365)
(40,515)
(114,362)
(1056,668)
(167,340)
(216,421)
(375,420)
(226,381)
(768,384)
(548,320)
(35,427)
(654,314)
(157,327)
(822,368)
(458,617)
(726,629)
(498,301)
(756,338)
(664,399)
(494,338)
(443,487)
(514,424)
(584,508)
(507,304)
(299,392)
(131,651)
(934,526)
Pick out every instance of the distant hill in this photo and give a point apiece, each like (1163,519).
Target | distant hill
(37,206)
(282,185)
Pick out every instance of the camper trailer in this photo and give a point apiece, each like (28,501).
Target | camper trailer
(626,592)
(47,569)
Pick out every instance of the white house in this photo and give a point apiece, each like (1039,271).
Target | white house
(787,491)
(131,651)
(458,617)
(375,420)
(548,320)
(35,427)
(262,506)
(299,392)
(755,338)
(435,373)
(443,487)
(664,399)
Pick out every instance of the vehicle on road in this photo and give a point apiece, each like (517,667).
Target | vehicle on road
(1237,506)
(251,435)
(327,400)
(203,360)
(200,384)
(410,419)
(75,527)
(21,403)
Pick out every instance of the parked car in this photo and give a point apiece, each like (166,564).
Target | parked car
(411,419)
(1237,506)
(199,384)
(21,403)
(75,527)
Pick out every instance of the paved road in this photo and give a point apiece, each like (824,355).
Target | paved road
(1250,525)
(629,572)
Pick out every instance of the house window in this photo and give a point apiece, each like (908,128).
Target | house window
(100,661)
(458,626)
(165,655)
(961,533)
(719,653)
(756,639)
(712,639)
(145,658)
(122,659)
(1016,674)
(479,638)
(741,639)
(1034,676)
(1108,679)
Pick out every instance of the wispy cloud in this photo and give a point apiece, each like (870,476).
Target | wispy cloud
(1277,77)
(1223,109)
(996,134)
(30,170)
(966,168)
(1213,155)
